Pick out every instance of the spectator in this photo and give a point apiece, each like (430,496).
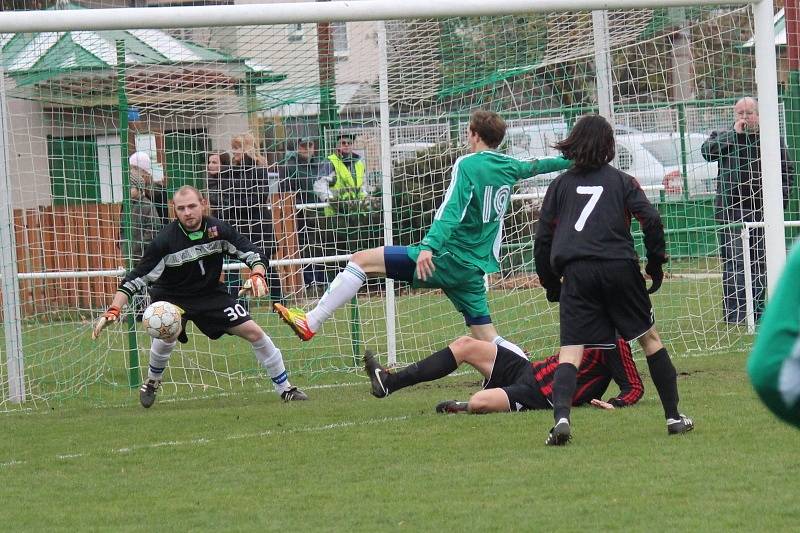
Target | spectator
(156,190)
(738,200)
(300,170)
(244,146)
(342,176)
(145,221)
(245,204)
(218,178)
(298,173)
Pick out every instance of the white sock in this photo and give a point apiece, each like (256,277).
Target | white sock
(271,359)
(341,290)
(159,357)
(500,341)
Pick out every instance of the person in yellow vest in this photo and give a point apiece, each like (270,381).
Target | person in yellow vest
(342,176)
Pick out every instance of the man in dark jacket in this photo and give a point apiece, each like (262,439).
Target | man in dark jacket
(298,173)
(245,203)
(300,170)
(739,200)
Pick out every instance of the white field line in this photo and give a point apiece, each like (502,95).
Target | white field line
(201,441)
(31,411)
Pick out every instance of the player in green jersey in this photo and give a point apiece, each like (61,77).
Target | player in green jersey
(774,364)
(461,246)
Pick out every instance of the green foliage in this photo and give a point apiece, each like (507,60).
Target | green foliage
(482,49)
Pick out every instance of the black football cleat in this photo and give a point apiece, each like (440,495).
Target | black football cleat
(377,374)
(147,392)
(560,434)
(679,426)
(293,394)
(451,407)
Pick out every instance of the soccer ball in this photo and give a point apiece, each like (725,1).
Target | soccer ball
(162,320)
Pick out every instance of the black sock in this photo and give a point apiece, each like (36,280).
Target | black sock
(665,378)
(435,366)
(564,383)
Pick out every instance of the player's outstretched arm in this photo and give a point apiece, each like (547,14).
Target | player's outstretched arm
(544,165)
(625,374)
(111,315)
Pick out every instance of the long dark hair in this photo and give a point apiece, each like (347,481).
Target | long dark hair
(590,144)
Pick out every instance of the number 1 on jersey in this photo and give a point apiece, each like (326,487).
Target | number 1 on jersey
(595,193)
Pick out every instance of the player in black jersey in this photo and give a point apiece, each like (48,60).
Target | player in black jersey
(182,265)
(513,383)
(584,238)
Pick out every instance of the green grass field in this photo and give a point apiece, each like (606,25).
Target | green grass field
(348,462)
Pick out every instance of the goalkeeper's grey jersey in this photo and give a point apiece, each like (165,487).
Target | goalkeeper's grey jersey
(186,264)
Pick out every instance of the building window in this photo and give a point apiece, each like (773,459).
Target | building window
(295,32)
(341,47)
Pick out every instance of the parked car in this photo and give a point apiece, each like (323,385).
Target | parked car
(411,150)
(537,140)
(654,159)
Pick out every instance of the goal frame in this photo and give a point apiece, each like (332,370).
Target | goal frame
(370,10)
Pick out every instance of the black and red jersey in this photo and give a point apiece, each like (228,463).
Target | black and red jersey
(598,368)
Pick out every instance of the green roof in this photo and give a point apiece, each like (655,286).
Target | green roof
(34,57)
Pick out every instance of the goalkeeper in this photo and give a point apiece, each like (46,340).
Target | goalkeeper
(512,382)
(774,364)
(183,264)
(461,246)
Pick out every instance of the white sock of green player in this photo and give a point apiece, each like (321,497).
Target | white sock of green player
(500,341)
(159,357)
(271,359)
(341,290)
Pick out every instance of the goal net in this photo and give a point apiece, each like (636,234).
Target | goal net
(259,100)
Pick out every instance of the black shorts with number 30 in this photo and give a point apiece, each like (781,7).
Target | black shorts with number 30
(213,313)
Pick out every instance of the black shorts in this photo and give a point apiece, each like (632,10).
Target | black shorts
(213,313)
(514,374)
(600,298)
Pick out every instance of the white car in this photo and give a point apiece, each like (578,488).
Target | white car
(411,150)
(655,160)
(537,140)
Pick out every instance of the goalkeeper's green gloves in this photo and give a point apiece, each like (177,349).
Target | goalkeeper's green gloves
(111,315)
(255,286)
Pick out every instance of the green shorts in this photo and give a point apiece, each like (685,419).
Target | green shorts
(463,284)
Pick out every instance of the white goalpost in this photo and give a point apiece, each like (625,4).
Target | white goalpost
(184,83)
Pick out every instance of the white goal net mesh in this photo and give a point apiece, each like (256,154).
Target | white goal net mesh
(257,100)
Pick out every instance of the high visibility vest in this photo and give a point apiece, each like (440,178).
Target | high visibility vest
(345,187)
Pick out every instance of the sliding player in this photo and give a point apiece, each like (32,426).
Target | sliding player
(462,244)
(512,382)
(183,264)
